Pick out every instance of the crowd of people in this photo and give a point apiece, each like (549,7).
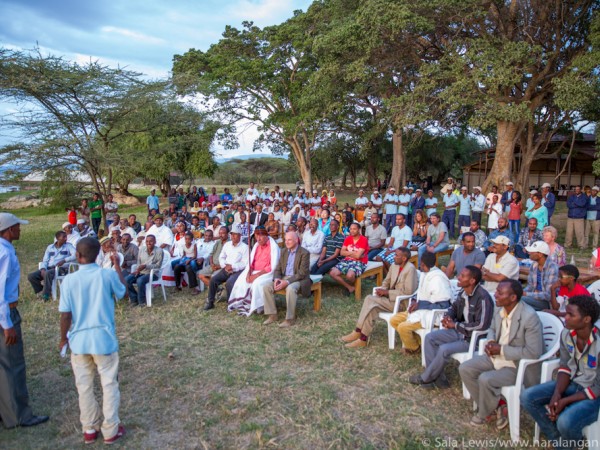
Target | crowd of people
(246,247)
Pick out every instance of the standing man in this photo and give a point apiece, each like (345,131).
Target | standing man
(592,220)
(548,200)
(577,204)
(449,216)
(152,201)
(390,202)
(464,213)
(14,397)
(87,313)
(477,204)
(507,196)
(110,208)
(403,201)
(416,203)
(430,203)
(96,212)
(291,274)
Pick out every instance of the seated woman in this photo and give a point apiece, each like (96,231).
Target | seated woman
(347,220)
(419,230)
(273,227)
(194,209)
(187,261)
(557,252)
(437,237)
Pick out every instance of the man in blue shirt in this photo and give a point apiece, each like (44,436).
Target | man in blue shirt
(548,200)
(14,398)
(449,216)
(577,204)
(152,201)
(592,220)
(87,325)
(464,213)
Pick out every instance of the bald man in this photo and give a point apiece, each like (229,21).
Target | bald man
(291,274)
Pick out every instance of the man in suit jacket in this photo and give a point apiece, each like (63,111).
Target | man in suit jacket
(401,279)
(292,274)
(262,217)
(516,333)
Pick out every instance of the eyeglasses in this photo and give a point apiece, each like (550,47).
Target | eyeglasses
(566,276)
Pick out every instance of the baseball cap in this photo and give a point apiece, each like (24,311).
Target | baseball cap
(464,188)
(8,220)
(595,188)
(509,183)
(375,191)
(419,190)
(533,192)
(158,216)
(501,240)
(538,247)
(393,189)
(66,224)
(104,240)
(404,187)
(546,185)
(477,188)
(80,221)
(236,228)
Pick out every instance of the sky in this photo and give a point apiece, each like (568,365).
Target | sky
(139,35)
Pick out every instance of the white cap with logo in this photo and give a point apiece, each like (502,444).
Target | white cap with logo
(501,240)
(538,247)
(8,220)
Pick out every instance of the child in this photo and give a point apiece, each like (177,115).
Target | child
(514,214)
(72,216)
(567,287)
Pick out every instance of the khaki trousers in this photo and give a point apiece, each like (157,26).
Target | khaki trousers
(291,296)
(575,226)
(370,310)
(84,368)
(406,330)
(592,228)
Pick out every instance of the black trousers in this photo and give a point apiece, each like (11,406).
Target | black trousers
(14,397)
(217,279)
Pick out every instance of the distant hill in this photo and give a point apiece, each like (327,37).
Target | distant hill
(248,156)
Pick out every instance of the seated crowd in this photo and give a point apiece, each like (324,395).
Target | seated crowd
(249,246)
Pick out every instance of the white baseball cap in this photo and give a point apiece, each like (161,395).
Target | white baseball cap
(478,188)
(393,189)
(80,221)
(546,185)
(538,247)
(501,240)
(66,224)
(8,220)
(464,188)
(533,192)
(509,183)
(596,188)
(236,228)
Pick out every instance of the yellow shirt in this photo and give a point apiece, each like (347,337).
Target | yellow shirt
(499,361)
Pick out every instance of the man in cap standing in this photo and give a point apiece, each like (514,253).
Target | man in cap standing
(477,204)
(14,397)
(548,200)
(507,196)
(592,220)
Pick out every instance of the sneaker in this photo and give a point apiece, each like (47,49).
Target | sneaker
(120,434)
(477,421)
(89,437)
(501,417)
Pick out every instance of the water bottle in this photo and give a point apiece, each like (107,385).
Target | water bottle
(573,260)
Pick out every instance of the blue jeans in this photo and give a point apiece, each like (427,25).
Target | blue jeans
(449,218)
(515,227)
(423,248)
(571,421)
(463,221)
(324,269)
(139,295)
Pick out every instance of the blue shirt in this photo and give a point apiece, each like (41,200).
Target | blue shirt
(403,198)
(465,205)
(152,202)
(10,272)
(450,200)
(88,295)
(226,198)
(430,202)
(289,267)
(592,214)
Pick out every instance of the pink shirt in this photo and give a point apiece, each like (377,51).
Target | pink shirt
(515,211)
(262,259)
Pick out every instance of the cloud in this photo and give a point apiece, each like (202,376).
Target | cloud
(135,35)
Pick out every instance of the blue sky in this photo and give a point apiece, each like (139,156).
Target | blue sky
(140,35)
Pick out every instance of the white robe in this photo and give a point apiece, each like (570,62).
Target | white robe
(252,293)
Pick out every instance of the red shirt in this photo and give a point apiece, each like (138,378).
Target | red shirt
(361,243)
(73,217)
(515,211)
(578,289)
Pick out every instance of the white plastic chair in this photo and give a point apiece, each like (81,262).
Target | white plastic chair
(594,289)
(592,431)
(552,327)
(465,356)
(159,281)
(433,318)
(387,316)
(71,267)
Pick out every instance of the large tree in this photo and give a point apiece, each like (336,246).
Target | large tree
(261,76)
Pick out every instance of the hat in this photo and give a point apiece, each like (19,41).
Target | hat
(595,188)
(236,228)
(464,188)
(67,224)
(538,247)
(81,221)
(393,189)
(158,216)
(219,206)
(450,178)
(8,220)
(546,185)
(509,183)
(361,190)
(533,192)
(260,230)
(375,191)
(419,190)
(405,187)
(501,240)
(315,191)
(104,240)
(477,187)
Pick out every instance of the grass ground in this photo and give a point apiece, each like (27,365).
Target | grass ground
(232,383)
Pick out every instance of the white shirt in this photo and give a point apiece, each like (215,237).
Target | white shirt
(72,238)
(507,266)
(403,198)
(361,201)
(478,203)
(313,242)
(391,208)
(204,249)
(236,255)
(499,361)
(377,202)
(401,235)
(163,235)
(130,231)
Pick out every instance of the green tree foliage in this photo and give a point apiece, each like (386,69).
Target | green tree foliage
(262,76)
(237,172)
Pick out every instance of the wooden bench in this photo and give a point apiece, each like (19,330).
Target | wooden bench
(373,268)
(315,289)
(444,253)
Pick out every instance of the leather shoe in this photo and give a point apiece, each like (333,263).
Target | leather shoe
(359,343)
(271,319)
(195,292)
(351,337)
(34,420)
(209,306)
(406,351)
(286,323)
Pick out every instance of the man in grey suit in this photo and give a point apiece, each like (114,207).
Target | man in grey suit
(292,274)
(516,333)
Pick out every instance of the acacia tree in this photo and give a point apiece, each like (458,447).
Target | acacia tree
(502,61)
(69,114)
(261,76)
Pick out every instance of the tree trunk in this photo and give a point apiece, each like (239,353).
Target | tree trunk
(398,178)
(344,179)
(501,171)
(372,165)
(302,159)
(528,150)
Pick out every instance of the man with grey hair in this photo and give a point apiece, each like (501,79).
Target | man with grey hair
(291,274)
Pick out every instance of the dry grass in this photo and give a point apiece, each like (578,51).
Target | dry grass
(236,384)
